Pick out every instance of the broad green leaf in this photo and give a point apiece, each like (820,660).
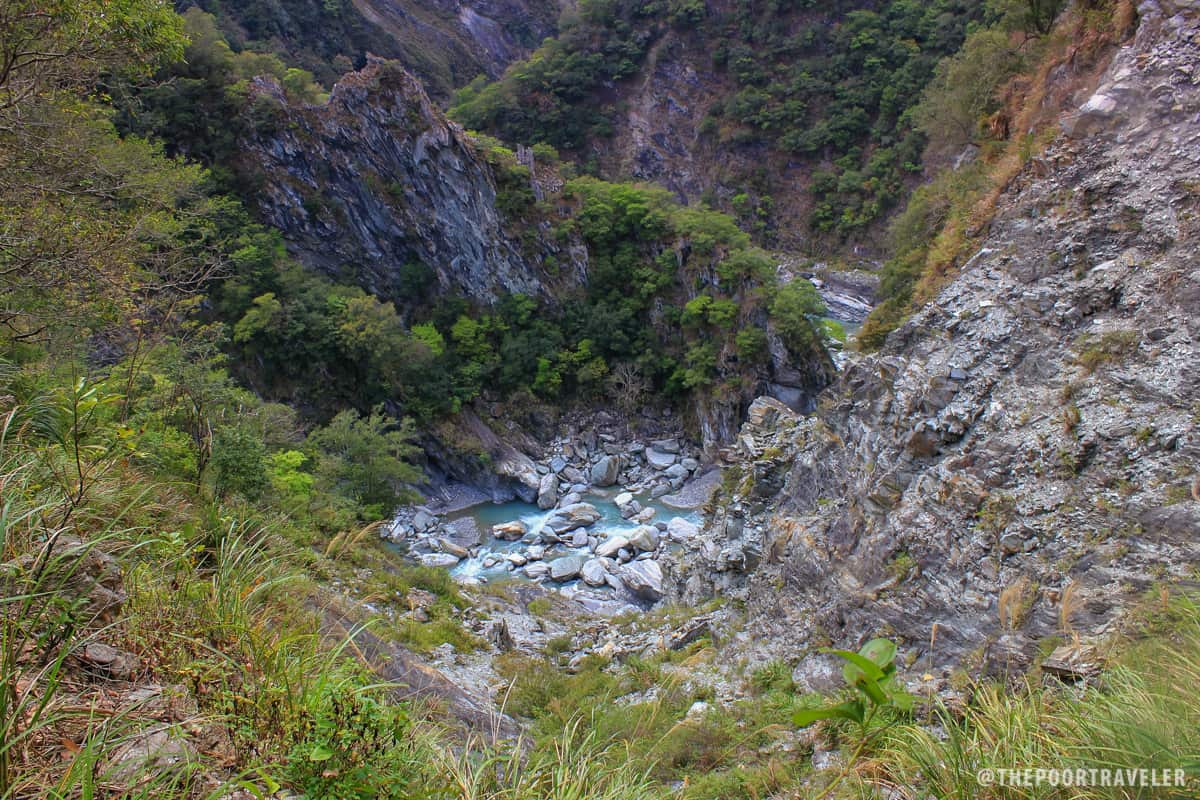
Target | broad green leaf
(881,652)
(902,699)
(857,666)
(851,710)
(320,753)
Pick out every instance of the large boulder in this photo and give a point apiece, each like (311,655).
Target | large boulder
(453,548)
(644,579)
(509,531)
(438,560)
(611,546)
(547,492)
(606,470)
(568,518)
(658,459)
(644,538)
(464,532)
(566,568)
(681,530)
(594,571)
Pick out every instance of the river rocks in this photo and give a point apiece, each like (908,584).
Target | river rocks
(517,559)
(658,459)
(547,495)
(568,518)
(611,546)
(605,471)
(537,570)
(644,579)
(438,560)
(423,520)
(623,499)
(452,548)
(566,568)
(510,531)
(680,530)
(671,446)
(644,538)
(579,538)
(677,472)
(594,572)
(463,531)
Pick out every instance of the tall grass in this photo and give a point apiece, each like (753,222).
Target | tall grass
(578,765)
(1143,712)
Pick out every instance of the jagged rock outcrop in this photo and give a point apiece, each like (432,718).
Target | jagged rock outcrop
(1021,459)
(377,178)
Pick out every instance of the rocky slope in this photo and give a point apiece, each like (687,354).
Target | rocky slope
(1021,460)
(446,43)
(377,178)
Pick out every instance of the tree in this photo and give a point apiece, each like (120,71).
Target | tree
(367,460)
(791,308)
(964,90)
(240,462)
(50,45)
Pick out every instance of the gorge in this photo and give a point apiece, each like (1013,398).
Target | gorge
(512,399)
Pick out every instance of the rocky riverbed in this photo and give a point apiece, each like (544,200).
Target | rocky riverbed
(604,513)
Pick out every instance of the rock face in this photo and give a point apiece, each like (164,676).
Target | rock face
(1031,431)
(377,178)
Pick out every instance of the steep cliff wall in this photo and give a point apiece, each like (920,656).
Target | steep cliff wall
(1022,459)
(377,178)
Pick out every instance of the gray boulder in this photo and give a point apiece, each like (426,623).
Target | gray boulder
(567,568)
(464,532)
(568,518)
(606,470)
(611,546)
(680,530)
(547,492)
(644,538)
(594,572)
(509,531)
(438,560)
(658,459)
(644,579)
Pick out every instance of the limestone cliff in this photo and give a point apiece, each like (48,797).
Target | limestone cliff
(377,178)
(1021,460)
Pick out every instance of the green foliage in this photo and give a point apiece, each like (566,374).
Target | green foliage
(366,459)
(871,673)
(348,741)
(964,90)
(195,104)
(833,85)
(792,309)
(542,99)
(239,460)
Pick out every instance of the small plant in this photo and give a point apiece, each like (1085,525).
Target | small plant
(772,676)
(871,673)
(1107,347)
